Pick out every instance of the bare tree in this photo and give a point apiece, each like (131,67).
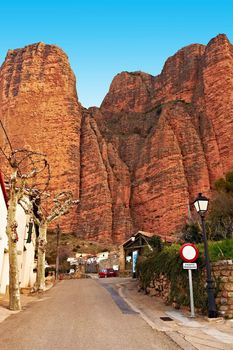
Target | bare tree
(17,189)
(58,232)
(44,215)
(24,166)
(21,168)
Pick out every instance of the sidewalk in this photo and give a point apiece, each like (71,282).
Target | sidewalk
(189,333)
(4,302)
(25,299)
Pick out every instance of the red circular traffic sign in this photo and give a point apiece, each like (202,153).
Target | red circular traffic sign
(188,252)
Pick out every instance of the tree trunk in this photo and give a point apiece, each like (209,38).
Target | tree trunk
(14,290)
(58,248)
(40,278)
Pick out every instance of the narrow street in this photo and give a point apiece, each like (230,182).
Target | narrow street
(80,314)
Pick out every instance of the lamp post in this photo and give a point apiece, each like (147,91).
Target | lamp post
(201,205)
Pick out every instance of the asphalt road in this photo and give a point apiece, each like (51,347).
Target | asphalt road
(82,315)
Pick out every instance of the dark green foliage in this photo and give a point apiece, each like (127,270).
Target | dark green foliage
(221,216)
(229,182)
(221,212)
(221,250)
(169,263)
(220,185)
(226,184)
(192,233)
(156,243)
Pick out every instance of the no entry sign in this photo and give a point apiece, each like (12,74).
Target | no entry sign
(188,252)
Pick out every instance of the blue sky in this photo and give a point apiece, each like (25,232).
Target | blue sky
(103,38)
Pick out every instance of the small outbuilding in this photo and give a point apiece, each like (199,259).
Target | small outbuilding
(131,249)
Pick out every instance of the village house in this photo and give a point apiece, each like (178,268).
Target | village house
(25,245)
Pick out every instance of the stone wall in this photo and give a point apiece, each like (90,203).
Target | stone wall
(160,288)
(223,274)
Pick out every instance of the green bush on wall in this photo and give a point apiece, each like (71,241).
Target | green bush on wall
(169,263)
(221,250)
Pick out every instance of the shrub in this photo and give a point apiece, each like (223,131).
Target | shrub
(221,250)
(169,263)
(221,212)
(221,216)
(192,233)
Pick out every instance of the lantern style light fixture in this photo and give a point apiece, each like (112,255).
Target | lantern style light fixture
(201,205)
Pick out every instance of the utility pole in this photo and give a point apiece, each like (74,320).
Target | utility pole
(58,248)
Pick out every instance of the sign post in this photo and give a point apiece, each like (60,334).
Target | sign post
(189,253)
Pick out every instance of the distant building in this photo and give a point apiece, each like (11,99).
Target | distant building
(108,260)
(102,256)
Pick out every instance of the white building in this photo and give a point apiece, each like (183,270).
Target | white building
(4,258)
(102,256)
(25,245)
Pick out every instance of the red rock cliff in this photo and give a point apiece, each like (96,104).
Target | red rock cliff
(40,110)
(174,131)
(154,143)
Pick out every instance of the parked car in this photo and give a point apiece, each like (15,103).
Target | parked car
(107,273)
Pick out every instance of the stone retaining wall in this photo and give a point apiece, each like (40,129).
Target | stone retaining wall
(223,274)
(160,288)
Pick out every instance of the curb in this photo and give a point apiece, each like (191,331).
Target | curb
(185,332)
(173,335)
(180,341)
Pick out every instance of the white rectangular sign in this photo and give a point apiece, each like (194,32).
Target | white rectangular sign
(189,266)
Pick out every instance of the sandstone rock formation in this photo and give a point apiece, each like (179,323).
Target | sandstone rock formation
(40,110)
(142,157)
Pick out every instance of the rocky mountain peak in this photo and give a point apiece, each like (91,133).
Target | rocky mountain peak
(139,160)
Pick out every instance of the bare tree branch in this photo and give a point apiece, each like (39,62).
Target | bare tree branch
(1,149)
(8,140)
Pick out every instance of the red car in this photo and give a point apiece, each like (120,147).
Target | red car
(107,273)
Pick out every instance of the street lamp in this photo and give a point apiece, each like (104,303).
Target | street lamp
(201,205)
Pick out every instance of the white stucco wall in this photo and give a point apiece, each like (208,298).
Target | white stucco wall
(4,269)
(26,251)
(27,277)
